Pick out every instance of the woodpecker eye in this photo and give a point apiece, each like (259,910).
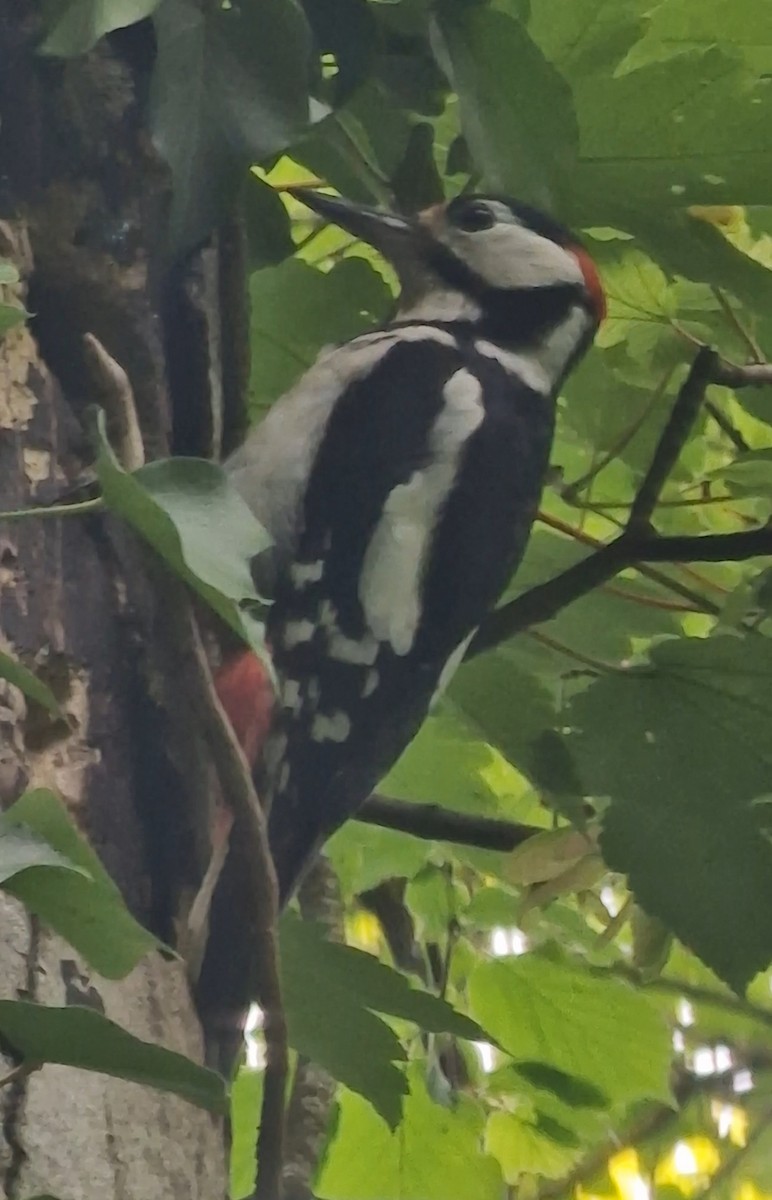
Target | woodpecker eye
(474,217)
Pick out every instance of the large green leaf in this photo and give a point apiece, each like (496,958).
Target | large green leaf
(435,1154)
(67,886)
(188,511)
(675,27)
(681,747)
(81,1037)
(692,135)
(523,1146)
(230,85)
(325,307)
(586,36)
(334,1022)
(22,850)
(516,109)
(557,1013)
(74,26)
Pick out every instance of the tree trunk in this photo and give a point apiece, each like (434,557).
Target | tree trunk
(83,200)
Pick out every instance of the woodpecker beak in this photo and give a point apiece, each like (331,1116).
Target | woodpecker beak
(385,231)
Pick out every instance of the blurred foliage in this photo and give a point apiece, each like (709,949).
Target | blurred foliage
(616,1059)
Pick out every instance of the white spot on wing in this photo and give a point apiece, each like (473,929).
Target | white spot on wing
(372,679)
(296,632)
(284,776)
(333,727)
(390,584)
(363,651)
(290,696)
(303,573)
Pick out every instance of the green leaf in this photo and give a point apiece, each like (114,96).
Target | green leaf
(27,682)
(75,896)
(749,475)
(509,706)
(681,746)
(74,26)
(435,1153)
(558,1014)
(524,1147)
(498,71)
(190,513)
(296,310)
(346,30)
(80,1037)
(22,850)
(230,86)
(692,135)
(267,223)
(246,1103)
(675,27)
(11,315)
(586,36)
(579,1093)
(333,1022)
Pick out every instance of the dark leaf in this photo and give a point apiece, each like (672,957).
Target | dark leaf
(80,1037)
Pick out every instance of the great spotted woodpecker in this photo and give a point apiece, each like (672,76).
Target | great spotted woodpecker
(399,479)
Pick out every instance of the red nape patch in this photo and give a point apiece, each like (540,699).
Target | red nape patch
(244,689)
(591,281)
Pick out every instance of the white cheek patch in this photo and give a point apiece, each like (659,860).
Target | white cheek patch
(511,256)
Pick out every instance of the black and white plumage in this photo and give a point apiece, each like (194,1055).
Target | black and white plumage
(399,479)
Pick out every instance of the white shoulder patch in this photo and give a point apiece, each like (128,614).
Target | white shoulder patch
(392,571)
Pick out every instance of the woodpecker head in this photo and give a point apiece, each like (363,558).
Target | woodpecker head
(509,268)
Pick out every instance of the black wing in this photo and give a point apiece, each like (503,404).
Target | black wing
(418,508)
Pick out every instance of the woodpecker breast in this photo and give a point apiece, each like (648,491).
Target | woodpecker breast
(399,479)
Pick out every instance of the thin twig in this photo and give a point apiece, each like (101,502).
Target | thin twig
(639,543)
(571,490)
(593,664)
(112,391)
(435,823)
(673,438)
(730,1003)
(78,509)
(22,1071)
(726,426)
(755,351)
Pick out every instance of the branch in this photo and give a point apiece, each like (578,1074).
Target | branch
(673,437)
(312,1098)
(690,991)
(435,823)
(251,833)
(638,542)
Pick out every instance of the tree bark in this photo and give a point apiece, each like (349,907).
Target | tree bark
(83,200)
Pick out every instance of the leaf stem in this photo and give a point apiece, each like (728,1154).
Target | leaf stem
(55,510)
